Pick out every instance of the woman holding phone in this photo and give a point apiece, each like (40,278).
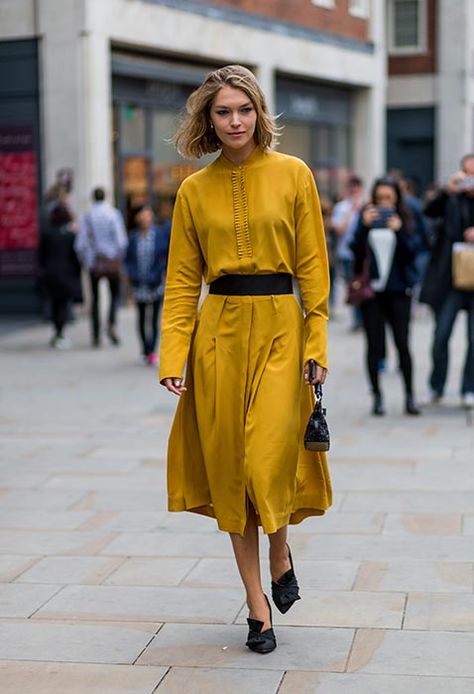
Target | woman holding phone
(384,239)
(248,223)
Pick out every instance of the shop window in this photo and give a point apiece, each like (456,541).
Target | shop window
(328,4)
(133,128)
(407,26)
(359,8)
(296,140)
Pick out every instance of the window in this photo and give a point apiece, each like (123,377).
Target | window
(328,4)
(407,26)
(359,8)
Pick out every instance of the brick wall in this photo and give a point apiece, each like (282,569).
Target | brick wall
(304,13)
(424,63)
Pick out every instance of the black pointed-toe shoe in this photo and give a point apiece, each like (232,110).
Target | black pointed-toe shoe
(258,640)
(285,591)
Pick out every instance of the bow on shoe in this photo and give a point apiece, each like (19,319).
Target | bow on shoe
(288,595)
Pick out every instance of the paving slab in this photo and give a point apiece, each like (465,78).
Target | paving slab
(64,570)
(321,575)
(343,609)
(61,678)
(423,524)
(165,571)
(144,604)
(205,645)
(409,501)
(353,547)
(218,681)
(43,520)
(433,576)
(18,600)
(168,544)
(434,654)
(328,683)
(12,565)
(440,612)
(53,542)
(75,643)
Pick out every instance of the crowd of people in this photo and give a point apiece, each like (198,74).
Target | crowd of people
(100,244)
(398,245)
(392,247)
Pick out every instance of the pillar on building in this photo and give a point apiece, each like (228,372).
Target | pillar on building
(454,126)
(75,75)
(369,107)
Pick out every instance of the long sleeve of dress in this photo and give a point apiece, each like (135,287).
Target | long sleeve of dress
(312,268)
(183,288)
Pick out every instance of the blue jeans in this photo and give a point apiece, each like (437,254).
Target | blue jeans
(454,302)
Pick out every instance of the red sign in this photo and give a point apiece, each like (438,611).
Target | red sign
(18,201)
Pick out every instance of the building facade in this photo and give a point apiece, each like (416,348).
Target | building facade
(106,82)
(430,98)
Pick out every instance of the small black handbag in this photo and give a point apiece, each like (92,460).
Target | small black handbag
(316,437)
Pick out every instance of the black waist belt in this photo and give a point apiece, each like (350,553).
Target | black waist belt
(252,285)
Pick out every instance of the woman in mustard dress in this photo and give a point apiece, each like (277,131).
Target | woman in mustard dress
(248,223)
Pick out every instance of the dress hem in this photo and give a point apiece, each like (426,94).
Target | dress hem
(269,526)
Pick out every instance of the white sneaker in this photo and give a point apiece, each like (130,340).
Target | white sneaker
(62,343)
(468,400)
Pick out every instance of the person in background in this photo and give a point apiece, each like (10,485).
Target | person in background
(452,210)
(102,240)
(327,206)
(391,270)
(60,269)
(344,221)
(145,263)
(420,223)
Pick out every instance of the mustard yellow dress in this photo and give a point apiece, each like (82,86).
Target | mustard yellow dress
(237,435)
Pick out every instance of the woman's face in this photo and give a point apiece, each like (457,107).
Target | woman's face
(385,197)
(234,118)
(145,218)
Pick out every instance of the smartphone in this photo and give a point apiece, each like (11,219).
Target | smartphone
(467,183)
(384,214)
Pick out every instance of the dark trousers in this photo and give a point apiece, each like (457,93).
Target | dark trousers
(148,325)
(445,316)
(59,307)
(114,288)
(394,310)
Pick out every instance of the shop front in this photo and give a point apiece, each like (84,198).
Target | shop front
(148,98)
(317,120)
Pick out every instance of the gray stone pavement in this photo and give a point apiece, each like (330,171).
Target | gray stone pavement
(104,592)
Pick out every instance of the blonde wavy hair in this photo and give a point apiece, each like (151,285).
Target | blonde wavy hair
(195,137)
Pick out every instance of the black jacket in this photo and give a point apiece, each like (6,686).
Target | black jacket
(403,273)
(452,216)
(59,267)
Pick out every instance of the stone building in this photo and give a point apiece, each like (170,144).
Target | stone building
(430,98)
(95,88)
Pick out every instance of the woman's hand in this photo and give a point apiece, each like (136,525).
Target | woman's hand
(394,222)
(174,385)
(369,215)
(320,376)
(469,235)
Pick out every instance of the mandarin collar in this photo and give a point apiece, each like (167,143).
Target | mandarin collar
(255,156)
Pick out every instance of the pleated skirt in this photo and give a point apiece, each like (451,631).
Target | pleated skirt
(237,435)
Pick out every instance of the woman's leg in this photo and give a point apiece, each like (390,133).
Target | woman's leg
(279,556)
(155,307)
(248,562)
(374,328)
(141,309)
(398,310)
